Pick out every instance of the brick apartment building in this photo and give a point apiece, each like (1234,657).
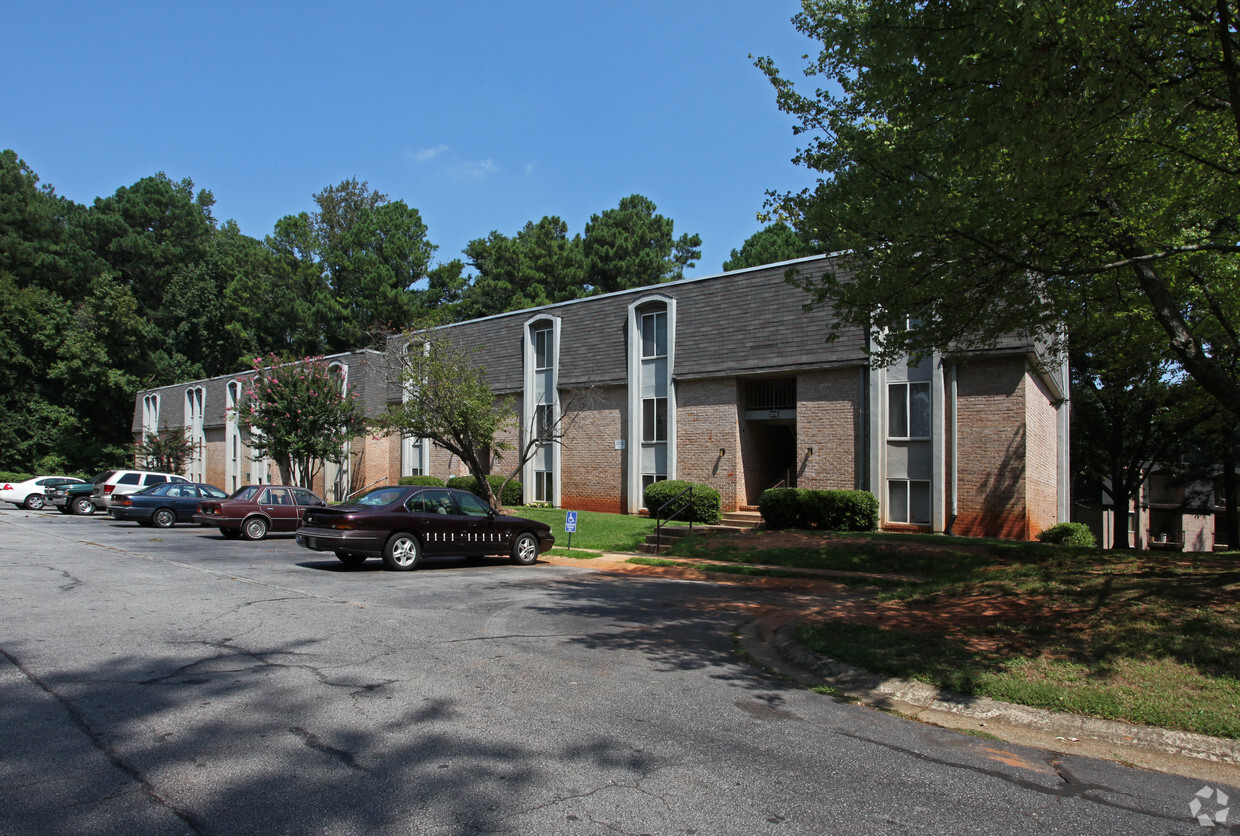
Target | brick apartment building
(722,379)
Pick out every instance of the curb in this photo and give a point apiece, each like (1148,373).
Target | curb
(771,640)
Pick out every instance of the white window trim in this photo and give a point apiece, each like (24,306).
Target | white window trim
(530,399)
(633,434)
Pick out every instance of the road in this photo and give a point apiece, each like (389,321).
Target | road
(174,682)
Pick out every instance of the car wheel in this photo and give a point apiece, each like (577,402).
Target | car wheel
(230,533)
(255,528)
(82,505)
(351,559)
(34,502)
(402,553)
(164,518)
(525,550)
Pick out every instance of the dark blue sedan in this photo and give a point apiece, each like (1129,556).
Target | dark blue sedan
(163,505)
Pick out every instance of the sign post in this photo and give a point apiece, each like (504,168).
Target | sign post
(570,525)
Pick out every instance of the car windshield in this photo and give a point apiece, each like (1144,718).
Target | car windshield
(379,496)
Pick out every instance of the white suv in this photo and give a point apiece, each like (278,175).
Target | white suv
(120,482)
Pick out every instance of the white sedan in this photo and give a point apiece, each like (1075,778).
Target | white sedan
(30,494)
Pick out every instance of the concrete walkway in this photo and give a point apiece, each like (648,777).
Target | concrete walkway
(770,640)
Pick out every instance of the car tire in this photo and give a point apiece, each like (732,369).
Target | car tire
(34,502)
(402,552)
(82,505)
(351,559)
(231,533)
(254,528)
(525,549)
(164,518)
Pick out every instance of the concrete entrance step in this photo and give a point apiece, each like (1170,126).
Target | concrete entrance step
(742,519)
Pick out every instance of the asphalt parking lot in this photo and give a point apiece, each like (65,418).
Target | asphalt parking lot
(171,681)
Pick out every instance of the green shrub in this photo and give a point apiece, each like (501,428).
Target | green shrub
(705,508)
(512,493)
(10,476)
(782,508)
(1069,534)
(847,511)
(824,510)
(429,481)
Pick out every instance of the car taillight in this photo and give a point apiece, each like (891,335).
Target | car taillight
(7,486)
(343,525)
(107,489)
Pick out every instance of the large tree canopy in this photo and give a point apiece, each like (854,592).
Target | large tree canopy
(632,246)
(1001,166)
(537,266)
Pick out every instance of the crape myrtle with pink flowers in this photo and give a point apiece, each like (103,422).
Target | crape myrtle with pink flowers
(299,414)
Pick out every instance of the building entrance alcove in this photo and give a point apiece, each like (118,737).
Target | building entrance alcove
(769,447)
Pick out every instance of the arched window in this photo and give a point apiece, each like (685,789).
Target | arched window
(195,411)
(336,474)
(235,473)
(540,409)
(150,414)
(414,452)
(652,396)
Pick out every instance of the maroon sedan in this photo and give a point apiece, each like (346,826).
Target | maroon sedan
(401,524)
(256,509)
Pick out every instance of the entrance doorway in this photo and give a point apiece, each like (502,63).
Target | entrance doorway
(770,446)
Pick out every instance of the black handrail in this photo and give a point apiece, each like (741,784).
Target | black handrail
(659,518)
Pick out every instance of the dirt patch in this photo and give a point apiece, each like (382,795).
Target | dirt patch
(962,619)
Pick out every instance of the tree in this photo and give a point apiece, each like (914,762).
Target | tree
(299,415)
(167,451)
(632,246)
(774,243)
(990,163)
(450,402)
(1127,412)
(539,266)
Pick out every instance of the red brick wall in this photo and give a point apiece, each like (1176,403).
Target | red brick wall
(828,412)
(1041,485)
(991,464)
(592,469)
(707,422)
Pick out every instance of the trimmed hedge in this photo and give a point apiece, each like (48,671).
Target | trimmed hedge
(512,494)
(705,508)
(826,510)
(1069,534)
(429,481)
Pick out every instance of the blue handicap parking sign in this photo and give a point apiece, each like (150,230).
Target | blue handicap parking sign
(570,521)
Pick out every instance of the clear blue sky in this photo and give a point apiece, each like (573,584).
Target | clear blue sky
(481,115)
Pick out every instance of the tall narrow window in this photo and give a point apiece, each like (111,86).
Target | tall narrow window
(908,410)
(540,396)
(654,334)
(544,349)
(150,414)
(336,476)
(908,501)
(195,405)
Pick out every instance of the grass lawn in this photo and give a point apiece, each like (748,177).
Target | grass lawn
(595,530)
(1146,637)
